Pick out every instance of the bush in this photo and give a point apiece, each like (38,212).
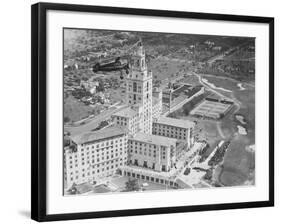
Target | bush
(187,171)
(66,119)
(132,185)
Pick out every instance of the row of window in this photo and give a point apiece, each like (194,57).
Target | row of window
(140,144)
(72,164)
(166,127)
(100,152)
(101,143)
(152,179)
(108,168)
(99,157)
(147,154)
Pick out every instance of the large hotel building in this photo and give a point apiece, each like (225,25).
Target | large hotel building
(141,143)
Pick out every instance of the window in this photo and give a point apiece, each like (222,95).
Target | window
(134,87)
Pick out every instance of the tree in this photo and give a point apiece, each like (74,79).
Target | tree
(66,119)
(100,87)
(84,78)
(132,185)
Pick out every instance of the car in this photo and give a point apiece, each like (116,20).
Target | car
(145,185)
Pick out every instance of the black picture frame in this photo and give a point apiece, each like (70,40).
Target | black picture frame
(39,108)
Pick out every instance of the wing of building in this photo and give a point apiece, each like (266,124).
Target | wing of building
(95,155)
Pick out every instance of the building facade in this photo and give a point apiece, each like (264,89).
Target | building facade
(174,128)
(151,151)
(156,103)
(95,155)
(127,118)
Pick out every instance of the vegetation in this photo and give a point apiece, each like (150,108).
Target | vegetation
(132,185)
(187,171)
(204,150)
(209,174)
(101,125)
(66,141)
(219,154)
(66,119)
(75,110)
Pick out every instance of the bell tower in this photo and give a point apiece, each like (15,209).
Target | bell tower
(139,88)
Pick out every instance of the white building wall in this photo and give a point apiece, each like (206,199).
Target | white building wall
(95,160)
(185,134)
(151,156)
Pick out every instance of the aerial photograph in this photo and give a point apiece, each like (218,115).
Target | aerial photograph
(150,111)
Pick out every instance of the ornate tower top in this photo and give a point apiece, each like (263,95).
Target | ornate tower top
(138,58)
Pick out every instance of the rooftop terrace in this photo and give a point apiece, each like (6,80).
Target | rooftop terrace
(175,122)
(127,112)
(154,139)
(98,135)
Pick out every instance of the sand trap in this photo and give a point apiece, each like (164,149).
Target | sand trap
(241,130)
(251,148)
(240,118)
(240,86)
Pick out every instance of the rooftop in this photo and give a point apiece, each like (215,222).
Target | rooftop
(126,112)
(98,135)
(154,139)
(175,122)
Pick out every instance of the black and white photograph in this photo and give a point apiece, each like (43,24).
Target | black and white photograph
(142,111)
(151,111)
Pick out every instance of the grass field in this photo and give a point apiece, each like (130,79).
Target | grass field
(163,68)
(239,164)
(191,79)
(75,110)
(222,82)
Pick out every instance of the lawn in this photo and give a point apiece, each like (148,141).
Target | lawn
(191,79)
(162,68)
(75,110)
(222,82)
(239,164)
